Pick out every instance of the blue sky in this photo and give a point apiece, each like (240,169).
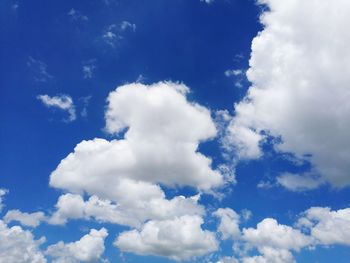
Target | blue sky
(227,118)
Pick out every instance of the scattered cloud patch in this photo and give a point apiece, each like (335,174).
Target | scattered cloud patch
(179,239)
(297,182)
(25,219)
(62,102)
(76,15)
(39,70)
(229,223)
(18,245)
(3,192)
(88,68)
(89,248)
(114,33)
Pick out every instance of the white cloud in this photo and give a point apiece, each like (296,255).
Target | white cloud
(62,102)
(300,87)
(126,25)
(207,1)
(159,146)
(3,192)
(128,211)
(271,255)
(295,182)
(88,68)
(227,260)
(179,239)
(76,15)
(229,223)
(26,219)
(18,245)
(274,242)
(88,249)
(271,234)
(246,214)
(115,33)
(233,72)
(328,227)
(39,70)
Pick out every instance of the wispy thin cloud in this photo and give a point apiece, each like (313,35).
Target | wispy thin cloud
(39,69)
(62,102)
(76,15)
(88,68)
(115,32)
(238,74)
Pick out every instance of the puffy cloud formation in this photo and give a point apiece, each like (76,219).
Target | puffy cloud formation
(326,226)
(229,223)
(299,93)
(159,146)
(179,239)
(18,245)
(26,219)
(274,242)
(127,212)
(88,249)
(161,132)
(271,234)
(62,102)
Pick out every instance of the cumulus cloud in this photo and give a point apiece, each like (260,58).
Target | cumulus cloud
(18,245)
(326,226)
(299,89)
(62,102)
(128,211)
(274,242)
(159,146)
(89,248)
(229,223)
(25,219)
(181,238)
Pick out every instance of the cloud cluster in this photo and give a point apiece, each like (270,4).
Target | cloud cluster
(181,238)
(161,131)
(88,249)
(299,89)
(18,245)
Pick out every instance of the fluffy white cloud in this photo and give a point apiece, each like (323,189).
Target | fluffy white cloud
(88,249)
(26,219)
(229,223)
(62,102)
(271,255)
(18,245)
(130,212)
(159,146)
(179,239)
(271,234)
(328,227)
(274,242)
(298,70)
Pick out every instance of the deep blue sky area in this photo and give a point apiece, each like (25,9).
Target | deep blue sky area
(43,51)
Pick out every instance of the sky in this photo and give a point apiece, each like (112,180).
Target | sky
(211,131)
